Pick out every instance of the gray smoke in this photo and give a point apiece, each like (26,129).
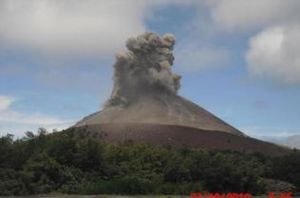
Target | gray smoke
(145,67)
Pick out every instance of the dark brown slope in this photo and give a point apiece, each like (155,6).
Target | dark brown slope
(179,136)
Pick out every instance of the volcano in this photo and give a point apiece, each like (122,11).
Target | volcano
(145,107)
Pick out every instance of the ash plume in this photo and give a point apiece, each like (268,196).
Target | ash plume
(145,67)
(145,93)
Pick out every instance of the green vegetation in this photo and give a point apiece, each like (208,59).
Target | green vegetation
(69,162)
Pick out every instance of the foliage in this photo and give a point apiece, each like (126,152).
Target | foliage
(287,168)
(62,162)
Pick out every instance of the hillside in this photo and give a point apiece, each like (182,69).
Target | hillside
(179,136)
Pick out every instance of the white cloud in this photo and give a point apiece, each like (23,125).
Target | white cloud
(17,122)
(11,116)
(236,15)
(64,27)
(73,27)
(275,53)
(274,48)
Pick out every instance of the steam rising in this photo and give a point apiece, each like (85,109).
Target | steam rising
(144,68)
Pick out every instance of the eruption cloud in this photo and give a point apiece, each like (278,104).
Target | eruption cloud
(144,67)
(145,93)
(144,106)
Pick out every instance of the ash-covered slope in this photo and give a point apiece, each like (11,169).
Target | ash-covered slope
(145,90)
(161,109)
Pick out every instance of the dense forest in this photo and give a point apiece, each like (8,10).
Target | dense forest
(64,162)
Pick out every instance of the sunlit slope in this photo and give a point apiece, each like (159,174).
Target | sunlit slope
(166,109)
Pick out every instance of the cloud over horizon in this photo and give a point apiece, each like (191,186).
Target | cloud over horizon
(19,122)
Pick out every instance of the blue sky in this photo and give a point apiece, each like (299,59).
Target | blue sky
(238,59)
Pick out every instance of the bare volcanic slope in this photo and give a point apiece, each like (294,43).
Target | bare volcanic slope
(161,109)
(144,104)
